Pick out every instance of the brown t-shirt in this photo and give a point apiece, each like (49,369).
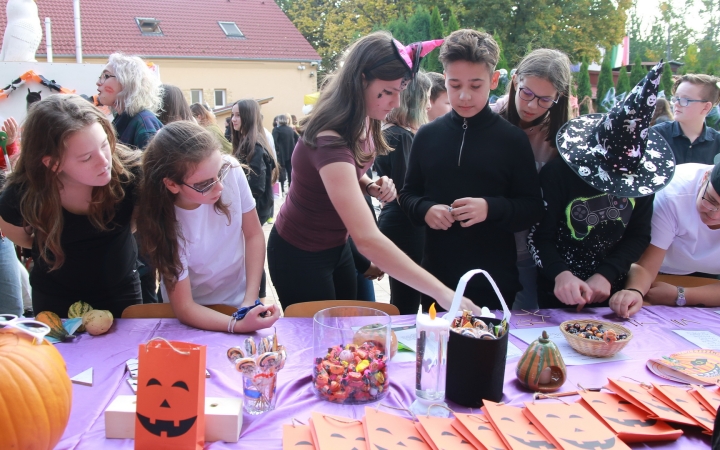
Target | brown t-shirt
(308,220)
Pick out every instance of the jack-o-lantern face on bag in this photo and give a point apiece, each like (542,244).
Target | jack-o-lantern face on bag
(631,423)
(516,430)
(171,396)
(169,409)
(389,432)
(573,427)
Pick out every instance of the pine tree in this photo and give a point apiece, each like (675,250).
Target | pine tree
(666,80)
(452,25)
(502,64)
(584,89)
(637,73)
(623,82)
(437,31)
(605,82)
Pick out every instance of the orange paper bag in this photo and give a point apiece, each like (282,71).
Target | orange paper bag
(516,431)
(641,397)
(170,396)
(570,426)
(630,423)
(297,436)
(390,432)
(680,398)
(710,398)
(478,430)
(440,434)
(337,433)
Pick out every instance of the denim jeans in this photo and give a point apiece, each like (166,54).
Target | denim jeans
(10,285)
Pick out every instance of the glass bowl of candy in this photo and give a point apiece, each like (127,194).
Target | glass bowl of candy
(351,347)
(595,337)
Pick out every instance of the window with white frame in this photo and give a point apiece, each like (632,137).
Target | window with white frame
(196,96)
(231,29)
(219,97)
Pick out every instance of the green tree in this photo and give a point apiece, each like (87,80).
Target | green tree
(452,24)
(605,81)
(666,80)
(576,27)
(502,64)
(623,82)
(637,73)
(584,90)
(330,26)
(437,31)
(419,25)
(690,60)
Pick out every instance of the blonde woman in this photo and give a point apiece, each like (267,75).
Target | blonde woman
(134,94)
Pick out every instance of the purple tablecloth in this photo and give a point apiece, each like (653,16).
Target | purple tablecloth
(107,354)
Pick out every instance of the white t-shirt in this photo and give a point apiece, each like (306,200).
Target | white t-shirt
(676,226)
(213,254)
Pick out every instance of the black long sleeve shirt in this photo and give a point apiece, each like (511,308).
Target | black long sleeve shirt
(587,231)
(482,157)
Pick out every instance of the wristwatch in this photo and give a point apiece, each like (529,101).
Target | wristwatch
(680,300)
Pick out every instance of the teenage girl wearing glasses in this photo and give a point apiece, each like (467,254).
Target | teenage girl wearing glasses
(71,199)
(308,253)
(198,223)
(538,103)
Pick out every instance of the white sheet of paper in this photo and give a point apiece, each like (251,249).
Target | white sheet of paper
(513,351)
(409,338)
(570,356)
(703,339)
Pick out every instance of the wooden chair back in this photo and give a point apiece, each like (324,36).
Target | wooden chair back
(164,311)
(308,309)
(685,280)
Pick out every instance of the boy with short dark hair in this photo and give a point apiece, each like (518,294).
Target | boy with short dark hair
(439,103)
(471,177)
(692,141)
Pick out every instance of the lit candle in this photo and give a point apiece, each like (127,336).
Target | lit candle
(431,359)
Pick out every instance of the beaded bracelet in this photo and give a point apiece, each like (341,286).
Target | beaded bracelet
(240,315)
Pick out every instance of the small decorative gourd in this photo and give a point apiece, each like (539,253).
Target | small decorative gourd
(541,368)
(57,330)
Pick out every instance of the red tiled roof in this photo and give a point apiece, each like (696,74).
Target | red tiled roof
(190,29)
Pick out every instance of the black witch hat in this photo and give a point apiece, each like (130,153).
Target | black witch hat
(617,152)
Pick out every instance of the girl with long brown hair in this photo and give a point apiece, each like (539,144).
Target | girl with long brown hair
(198,223)
(251,147)
(308,253)
(71,199)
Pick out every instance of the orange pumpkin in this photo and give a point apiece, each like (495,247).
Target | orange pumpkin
(36,392)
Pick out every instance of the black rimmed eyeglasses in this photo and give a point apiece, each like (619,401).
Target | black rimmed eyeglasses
(706,202)
(206,186)
(684,102)
(104,77)
(543,102)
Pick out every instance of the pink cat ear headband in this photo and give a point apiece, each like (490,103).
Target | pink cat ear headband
(410,55)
